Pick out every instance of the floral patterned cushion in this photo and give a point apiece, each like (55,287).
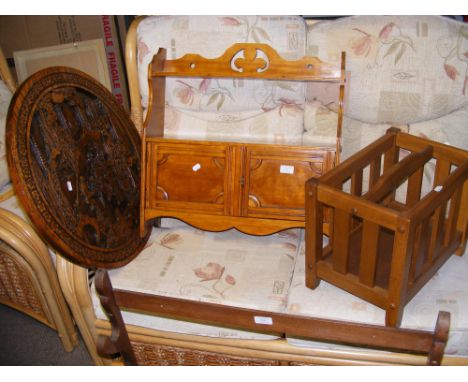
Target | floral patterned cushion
(401,69)
(204,101)
(188,263)
(189,34)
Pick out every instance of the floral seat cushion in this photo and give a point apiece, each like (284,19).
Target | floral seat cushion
(218,267)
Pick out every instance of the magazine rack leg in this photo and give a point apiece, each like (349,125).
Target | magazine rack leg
(118,342)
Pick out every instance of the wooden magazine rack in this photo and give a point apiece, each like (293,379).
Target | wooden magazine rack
(382,250)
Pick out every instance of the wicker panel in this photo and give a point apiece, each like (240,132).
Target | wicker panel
(16,286)
(157,355)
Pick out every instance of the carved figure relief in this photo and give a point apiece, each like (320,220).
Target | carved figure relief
(76,156)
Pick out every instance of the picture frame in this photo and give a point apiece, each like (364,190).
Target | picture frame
(88,56)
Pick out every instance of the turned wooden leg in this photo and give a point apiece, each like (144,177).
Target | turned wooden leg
(118,342)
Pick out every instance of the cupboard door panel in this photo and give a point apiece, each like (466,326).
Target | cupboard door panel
(189,177)
(275,181)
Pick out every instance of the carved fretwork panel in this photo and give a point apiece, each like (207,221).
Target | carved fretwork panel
(74,156)
(250,60)
(246,60)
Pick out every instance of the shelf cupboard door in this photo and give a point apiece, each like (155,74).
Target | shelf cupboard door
(188,177)
(275,180)
(191,180)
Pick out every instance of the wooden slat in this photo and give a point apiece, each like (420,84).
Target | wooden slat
(358,207)
(356,183)
(437,232)
(397,174)
(420,247)
(437,197)
(350,282)
(313,233)
(462,223)
(304,326)
(368,258)
(449,153)
(442,171)
(374,171)
(430,269)
(413,193)
(391,157)
(342,230)
(452,219)
(357,161)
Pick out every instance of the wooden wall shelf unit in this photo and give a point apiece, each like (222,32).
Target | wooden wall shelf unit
(255,187)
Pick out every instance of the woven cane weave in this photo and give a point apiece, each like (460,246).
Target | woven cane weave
(16,285)
(157,355)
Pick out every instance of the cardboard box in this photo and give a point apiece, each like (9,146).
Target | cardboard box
(19,33)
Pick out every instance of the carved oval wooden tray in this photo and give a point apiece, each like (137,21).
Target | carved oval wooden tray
(74,159)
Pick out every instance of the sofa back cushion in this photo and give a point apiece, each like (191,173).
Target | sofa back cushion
(238,105)
(401,69)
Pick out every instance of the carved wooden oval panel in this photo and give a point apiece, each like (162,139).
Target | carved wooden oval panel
(74,159)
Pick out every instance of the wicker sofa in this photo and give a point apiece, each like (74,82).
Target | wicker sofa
(388,46)
(173,342)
